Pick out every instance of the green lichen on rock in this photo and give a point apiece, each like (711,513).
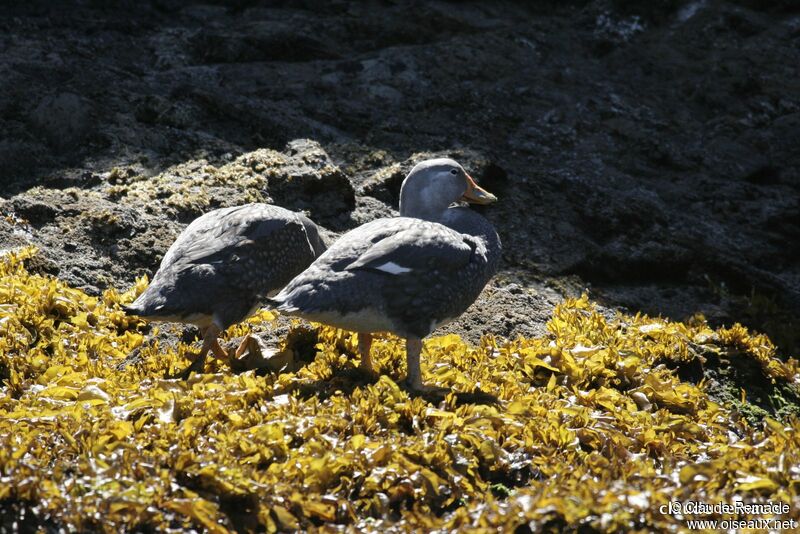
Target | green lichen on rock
(190,189)
(294,178)
(593,427)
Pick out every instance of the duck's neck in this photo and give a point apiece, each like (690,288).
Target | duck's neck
(420,203)
(466,221)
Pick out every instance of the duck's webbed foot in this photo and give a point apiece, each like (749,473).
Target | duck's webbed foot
(248,356)
(248,344)
(220,353)
(413,381)
(432,394)
(210,343)
(197,366)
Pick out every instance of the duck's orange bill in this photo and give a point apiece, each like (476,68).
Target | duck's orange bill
(475,194)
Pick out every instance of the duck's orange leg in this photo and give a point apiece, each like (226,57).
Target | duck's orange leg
(364,346)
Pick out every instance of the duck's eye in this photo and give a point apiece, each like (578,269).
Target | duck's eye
(453,172)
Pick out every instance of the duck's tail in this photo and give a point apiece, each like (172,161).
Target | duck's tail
(278,305)
(148,304)
(280,302)
(131,309)
(141,309)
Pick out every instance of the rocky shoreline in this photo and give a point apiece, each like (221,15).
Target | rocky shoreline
(647,155)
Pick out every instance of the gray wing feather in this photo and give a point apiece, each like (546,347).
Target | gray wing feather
(225,260)
(221,229)
(416,250)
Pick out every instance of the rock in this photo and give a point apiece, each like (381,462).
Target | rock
(385,183)
(85,239)
(307,180)
(37,211)
(64,119)
(261,40)
(737,160)
(17,158)
(646,152)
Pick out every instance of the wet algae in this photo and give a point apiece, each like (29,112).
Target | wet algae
(596,425)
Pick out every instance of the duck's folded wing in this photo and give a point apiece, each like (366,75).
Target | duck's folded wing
(226,237)
(416,251)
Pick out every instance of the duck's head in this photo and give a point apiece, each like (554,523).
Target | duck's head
(434,184)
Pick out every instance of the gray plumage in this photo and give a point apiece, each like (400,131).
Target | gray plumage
(407,275)
(222,266)
(401,275)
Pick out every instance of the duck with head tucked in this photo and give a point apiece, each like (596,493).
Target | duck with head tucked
(222,266)
(406,275)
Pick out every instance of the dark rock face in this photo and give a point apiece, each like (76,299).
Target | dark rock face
(63,120)
(84,238)
(310,181)
(647,151)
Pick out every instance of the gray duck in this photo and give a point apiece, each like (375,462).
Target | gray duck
(407,275)
(222,267)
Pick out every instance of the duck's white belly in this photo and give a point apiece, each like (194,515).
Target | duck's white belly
(366,320)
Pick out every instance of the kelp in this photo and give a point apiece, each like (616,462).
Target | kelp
(592,427)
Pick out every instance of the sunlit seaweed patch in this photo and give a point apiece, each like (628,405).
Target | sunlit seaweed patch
(592,428)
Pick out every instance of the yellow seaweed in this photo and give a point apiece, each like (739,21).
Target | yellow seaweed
(590,429)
